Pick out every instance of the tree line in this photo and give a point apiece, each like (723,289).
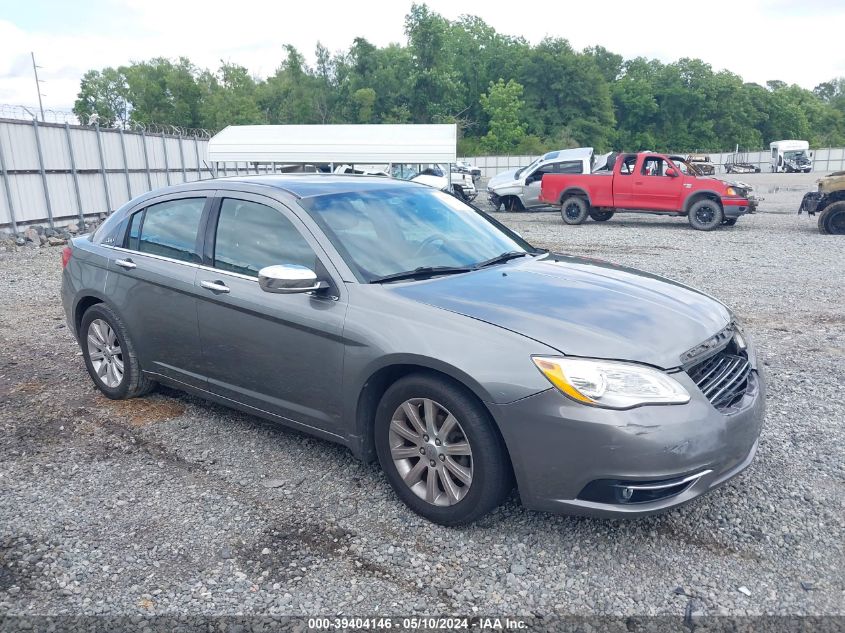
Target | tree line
(505,94)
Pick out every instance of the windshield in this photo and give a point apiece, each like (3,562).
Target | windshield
(798,154)
(389,231)
(530,167)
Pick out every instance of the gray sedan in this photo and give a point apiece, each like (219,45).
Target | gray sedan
(417,330)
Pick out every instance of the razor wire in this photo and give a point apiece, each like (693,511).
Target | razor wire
(26,113)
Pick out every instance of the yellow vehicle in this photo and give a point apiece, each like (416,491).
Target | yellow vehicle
(829,202)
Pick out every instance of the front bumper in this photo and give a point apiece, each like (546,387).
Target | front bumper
(735,207)
(558,447)
(810,202)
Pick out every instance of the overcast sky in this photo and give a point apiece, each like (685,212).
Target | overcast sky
(797,41)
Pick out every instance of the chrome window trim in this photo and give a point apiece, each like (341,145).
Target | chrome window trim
(183,263)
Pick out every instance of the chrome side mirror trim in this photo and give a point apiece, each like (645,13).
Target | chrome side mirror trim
(289,279)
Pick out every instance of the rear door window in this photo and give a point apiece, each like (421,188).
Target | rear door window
(251,236)
(167,229)
(569,167)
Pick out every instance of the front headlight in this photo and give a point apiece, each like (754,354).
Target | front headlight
(610,384)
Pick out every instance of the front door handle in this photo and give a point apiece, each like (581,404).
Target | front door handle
(215,286)
(128,264)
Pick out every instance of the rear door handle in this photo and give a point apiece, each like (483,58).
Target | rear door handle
(128,264)
(215,286)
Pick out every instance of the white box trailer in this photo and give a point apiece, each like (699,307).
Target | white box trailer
(791,156)
(335,144)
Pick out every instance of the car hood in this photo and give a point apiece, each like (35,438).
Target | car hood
(505,178)
(581,307)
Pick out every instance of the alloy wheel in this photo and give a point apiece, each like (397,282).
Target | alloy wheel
(105,353)
(572,211)
(431,452)
(705,214)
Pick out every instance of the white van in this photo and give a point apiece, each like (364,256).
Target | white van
(791,156)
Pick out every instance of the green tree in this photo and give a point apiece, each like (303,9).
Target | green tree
(103,93)
(162,91)
(458,71)
(365,99)
(502,104)
(434,86)
(229,98)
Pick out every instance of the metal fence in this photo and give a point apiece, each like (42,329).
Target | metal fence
(58,173)
(825,160)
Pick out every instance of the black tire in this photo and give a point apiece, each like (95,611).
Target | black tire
(512,203)
(492,476)
(601,216)
(574,210)
(705,215)
(729,221)
(832,219)
(133,382)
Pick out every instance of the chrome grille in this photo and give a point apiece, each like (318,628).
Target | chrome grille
(722,378)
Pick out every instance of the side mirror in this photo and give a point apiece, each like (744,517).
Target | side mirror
(672,173)
(289,279)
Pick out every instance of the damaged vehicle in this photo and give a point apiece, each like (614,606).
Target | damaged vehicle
(414,330)
(461,183)
(791,156)
(519,189)
(647,183)
(829,202)
(466,167)
(742,188)
(702,163)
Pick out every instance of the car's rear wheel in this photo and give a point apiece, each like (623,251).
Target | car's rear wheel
(574,210)
(110,355)
(705,215)
(439,450)
(601,216)
(832,219)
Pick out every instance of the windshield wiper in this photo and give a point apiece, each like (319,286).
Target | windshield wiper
(498,259)
(422,273)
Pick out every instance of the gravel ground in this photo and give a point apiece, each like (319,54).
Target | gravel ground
(171,505)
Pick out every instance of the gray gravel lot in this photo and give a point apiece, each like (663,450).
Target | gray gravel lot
(168,504)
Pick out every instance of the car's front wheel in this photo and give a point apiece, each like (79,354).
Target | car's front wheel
(439,450)
(832,219)
(110,355)
(705,215)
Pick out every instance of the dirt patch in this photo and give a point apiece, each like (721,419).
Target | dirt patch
(142,411)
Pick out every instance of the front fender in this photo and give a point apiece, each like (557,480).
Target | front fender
(508,190)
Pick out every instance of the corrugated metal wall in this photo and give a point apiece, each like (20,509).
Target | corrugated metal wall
(56,173)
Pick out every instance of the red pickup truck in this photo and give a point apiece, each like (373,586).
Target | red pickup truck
(647,183)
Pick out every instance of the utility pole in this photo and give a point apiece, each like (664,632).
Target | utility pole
(37,85)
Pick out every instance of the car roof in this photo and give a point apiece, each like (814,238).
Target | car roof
(576,153)
(298,185)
